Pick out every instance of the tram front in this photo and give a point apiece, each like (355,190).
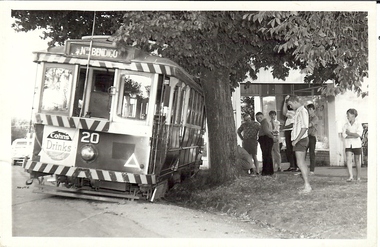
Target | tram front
(96,118)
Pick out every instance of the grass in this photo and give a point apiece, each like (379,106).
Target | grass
(334,209)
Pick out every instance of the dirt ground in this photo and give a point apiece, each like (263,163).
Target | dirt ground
(335,209)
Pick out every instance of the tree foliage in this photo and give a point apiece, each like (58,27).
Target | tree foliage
(326,45)
(329,45)
(62,25)
(205,40)
(19,128)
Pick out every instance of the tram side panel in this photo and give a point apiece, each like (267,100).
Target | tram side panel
(178,137)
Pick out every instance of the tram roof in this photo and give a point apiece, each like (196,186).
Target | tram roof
(106,54)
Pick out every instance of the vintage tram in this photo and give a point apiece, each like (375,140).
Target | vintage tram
(111,122)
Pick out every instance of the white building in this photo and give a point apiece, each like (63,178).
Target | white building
(268,94)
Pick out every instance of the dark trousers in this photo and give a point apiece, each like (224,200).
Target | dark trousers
(289,149)
(311,148)
(266,144)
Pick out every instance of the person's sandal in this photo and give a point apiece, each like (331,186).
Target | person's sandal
(349,180)
(290,169)
(305,190)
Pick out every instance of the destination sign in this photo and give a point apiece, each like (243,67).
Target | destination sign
(83,50)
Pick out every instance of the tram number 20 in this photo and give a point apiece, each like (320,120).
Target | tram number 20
(90,137)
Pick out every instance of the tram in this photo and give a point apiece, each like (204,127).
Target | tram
(113,122)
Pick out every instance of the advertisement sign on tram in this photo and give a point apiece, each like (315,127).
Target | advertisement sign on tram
(59,145)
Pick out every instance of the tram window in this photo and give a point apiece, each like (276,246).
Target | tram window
(175,106)
(183,104)
(197,110)
(190,107)
(78,100)
(193,106)
(180,105)
(134,99)
(56,90)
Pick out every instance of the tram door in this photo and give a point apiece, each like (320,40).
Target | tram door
(159,135)
(99,83)
(100,99)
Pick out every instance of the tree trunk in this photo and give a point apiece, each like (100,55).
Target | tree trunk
(222,139)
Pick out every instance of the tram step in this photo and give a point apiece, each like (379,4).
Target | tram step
(84,194)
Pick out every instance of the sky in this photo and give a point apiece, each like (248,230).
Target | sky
(22,70)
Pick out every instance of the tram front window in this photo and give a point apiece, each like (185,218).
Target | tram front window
(134,97)
(56,90)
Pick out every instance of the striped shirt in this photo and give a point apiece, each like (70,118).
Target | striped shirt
(301,121)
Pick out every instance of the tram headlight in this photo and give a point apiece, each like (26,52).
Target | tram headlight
(88,152)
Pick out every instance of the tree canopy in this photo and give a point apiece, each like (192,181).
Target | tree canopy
(325,45)
(330,45)
(206,40)
(62,25)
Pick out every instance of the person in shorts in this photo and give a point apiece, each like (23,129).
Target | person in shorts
(248,133)
(352,131)
(299,137)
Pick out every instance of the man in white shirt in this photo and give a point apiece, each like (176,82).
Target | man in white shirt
(299,137)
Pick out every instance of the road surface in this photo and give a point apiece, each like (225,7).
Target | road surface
(40,215)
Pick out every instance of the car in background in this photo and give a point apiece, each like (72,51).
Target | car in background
(21,150)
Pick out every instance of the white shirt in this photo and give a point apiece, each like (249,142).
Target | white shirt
(301,121)
(357,128)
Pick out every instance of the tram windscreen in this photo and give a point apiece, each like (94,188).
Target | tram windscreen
(134,99)
(56,90)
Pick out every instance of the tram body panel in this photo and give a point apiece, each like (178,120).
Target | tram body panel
(115,152)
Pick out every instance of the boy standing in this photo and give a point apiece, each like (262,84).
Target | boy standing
(299,138)
(248,133)
(274,126)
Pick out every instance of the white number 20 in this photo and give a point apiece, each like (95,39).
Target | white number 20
(90,137)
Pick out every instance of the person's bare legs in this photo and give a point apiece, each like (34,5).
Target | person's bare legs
(256,163)
(276,157)
(349,165)
(358,166)
(300,156)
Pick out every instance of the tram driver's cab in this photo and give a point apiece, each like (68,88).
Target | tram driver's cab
(120,96)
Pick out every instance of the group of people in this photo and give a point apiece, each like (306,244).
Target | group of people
(300,131)
(266,132)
